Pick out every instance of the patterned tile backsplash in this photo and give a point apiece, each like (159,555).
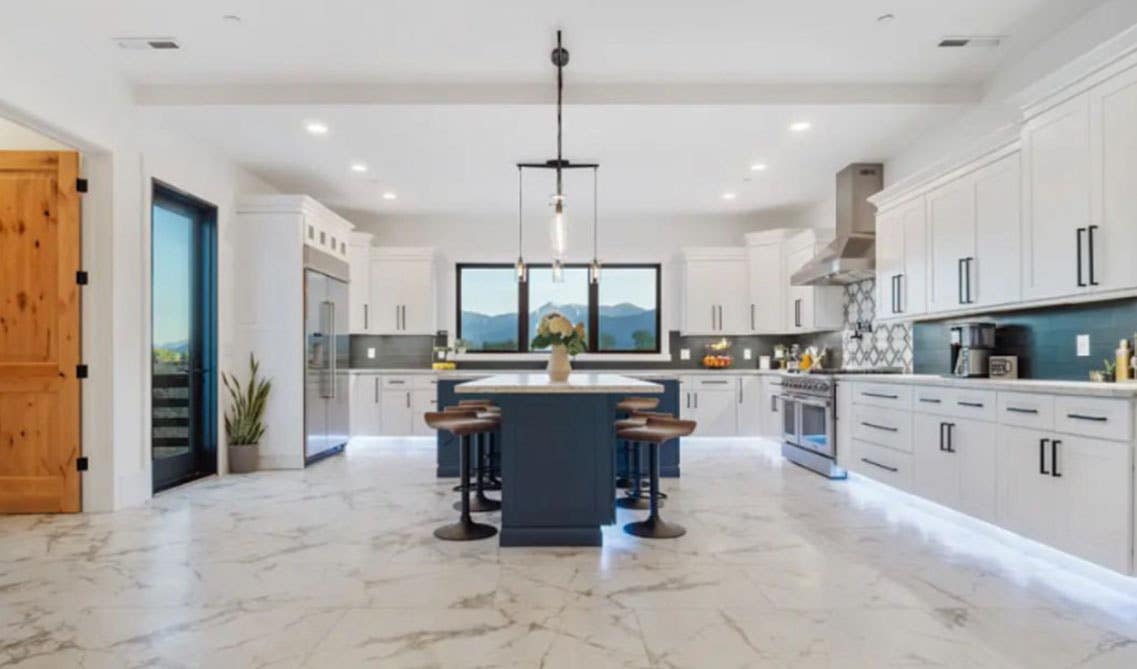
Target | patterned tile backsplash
(887,345)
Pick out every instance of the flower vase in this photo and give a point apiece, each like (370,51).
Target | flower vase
(559,366)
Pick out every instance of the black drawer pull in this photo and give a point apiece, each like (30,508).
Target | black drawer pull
(880,427)
(973,405)
(881,395)
(1022,410)
(1082,416)
(930,400)
(722,382)
(877,464)
(395,383)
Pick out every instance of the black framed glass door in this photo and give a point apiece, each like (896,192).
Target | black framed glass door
(183,335)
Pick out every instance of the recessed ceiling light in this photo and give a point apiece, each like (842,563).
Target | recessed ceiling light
(884,18)
(231,19)
(800,126)
(389,196)
(316,128)
(358,167)
(728,196)
(758,167)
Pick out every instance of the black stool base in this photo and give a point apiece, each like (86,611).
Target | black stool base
(642,503)
(480,505)
(465,531)
(623,483)
(655,529)
(492,484)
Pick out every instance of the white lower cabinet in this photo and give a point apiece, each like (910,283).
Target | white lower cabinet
(751,410)
(364,394)
(396,411)
(771,408)
(1073,493)
(1057,469)
(422,401)
(713,402)
(955,463)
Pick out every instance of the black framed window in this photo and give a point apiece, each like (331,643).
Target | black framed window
(621,314)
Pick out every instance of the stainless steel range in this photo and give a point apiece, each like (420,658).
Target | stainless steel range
(809,408)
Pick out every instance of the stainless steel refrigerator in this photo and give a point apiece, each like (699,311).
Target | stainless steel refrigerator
(326,407)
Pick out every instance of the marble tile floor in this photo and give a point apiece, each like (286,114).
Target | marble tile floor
(336,566)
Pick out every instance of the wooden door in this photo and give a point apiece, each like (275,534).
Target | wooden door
(39,332)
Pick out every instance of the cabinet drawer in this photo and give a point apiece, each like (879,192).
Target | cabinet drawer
(1093,417)
(398,381)
(715,383)
(930,399)
(976,404)
(883,464)
(425,382)
(886,427)
(1026,410)
(885,395)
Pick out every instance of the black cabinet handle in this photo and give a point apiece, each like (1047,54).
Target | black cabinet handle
(880,395)
(1022,410)
(899,293)
(1054,458)
(1090,256)
(942,427)
(959,279)
(774,404)
(884,428)
(973,405)
(365,319)
(930,400)
(1078,234)
(1042,457)
(967,274)
(1082,416)
(877,464)
(752,318)
(950,446)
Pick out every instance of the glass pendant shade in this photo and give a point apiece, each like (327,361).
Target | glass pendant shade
(521,269)
(558,271)
(594,271)
(558,233)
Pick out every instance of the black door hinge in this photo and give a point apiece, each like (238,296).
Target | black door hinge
(81,371)
(81,464)
(81,278)
(81,185)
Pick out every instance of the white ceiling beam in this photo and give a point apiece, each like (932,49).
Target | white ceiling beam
(488,93)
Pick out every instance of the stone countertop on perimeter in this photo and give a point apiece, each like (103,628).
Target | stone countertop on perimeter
(1058,387)
(539,383)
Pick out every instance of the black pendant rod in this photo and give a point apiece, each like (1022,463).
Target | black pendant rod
(560,57)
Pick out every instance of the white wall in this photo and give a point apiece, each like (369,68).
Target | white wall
(1004,92)
(123,148)
(621,240)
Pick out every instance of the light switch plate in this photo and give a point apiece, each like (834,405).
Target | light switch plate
(684,354)
(1083,344)
(370,352)
(747,354)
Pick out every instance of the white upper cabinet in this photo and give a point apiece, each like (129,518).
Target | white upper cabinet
(810,308)
(402,291)
(359,288)
(951,236)
(715,292)
(768,287)
(902,260)
(994,277)
(1112,236)
(1057,180)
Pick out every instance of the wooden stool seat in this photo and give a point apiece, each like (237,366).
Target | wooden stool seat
(655,431)
(630,404)
(464,424)
(634,421)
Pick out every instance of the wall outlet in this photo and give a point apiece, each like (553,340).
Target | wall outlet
(370,352)
(684,354)
(747,354)
(1083,344)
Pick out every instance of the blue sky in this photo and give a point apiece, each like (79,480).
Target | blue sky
(494,291)
(171,279)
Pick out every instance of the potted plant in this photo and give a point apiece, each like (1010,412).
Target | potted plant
(565,339)
(244,421)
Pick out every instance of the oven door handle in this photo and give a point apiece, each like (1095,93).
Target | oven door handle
(820,404)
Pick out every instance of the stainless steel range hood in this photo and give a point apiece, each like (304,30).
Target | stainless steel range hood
(851,257)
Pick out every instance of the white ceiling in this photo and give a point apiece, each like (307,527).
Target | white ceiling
(680,96)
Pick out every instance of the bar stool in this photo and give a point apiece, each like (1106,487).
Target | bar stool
(462,426)
(629,406)
(492,455)
(480,503)
(656,431)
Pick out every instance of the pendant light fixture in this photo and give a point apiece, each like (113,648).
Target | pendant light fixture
(522,273)
(558,229)
(594,268)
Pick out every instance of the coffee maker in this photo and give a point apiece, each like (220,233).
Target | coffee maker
(971,347)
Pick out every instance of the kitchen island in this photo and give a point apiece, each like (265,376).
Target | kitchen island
(557,458)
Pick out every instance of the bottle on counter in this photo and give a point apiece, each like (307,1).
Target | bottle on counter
(1124,356)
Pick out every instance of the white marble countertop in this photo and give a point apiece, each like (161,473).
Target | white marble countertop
(539,383)
(644,373)
(1088,388)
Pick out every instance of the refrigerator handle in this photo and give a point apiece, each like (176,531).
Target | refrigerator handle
(333,350)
